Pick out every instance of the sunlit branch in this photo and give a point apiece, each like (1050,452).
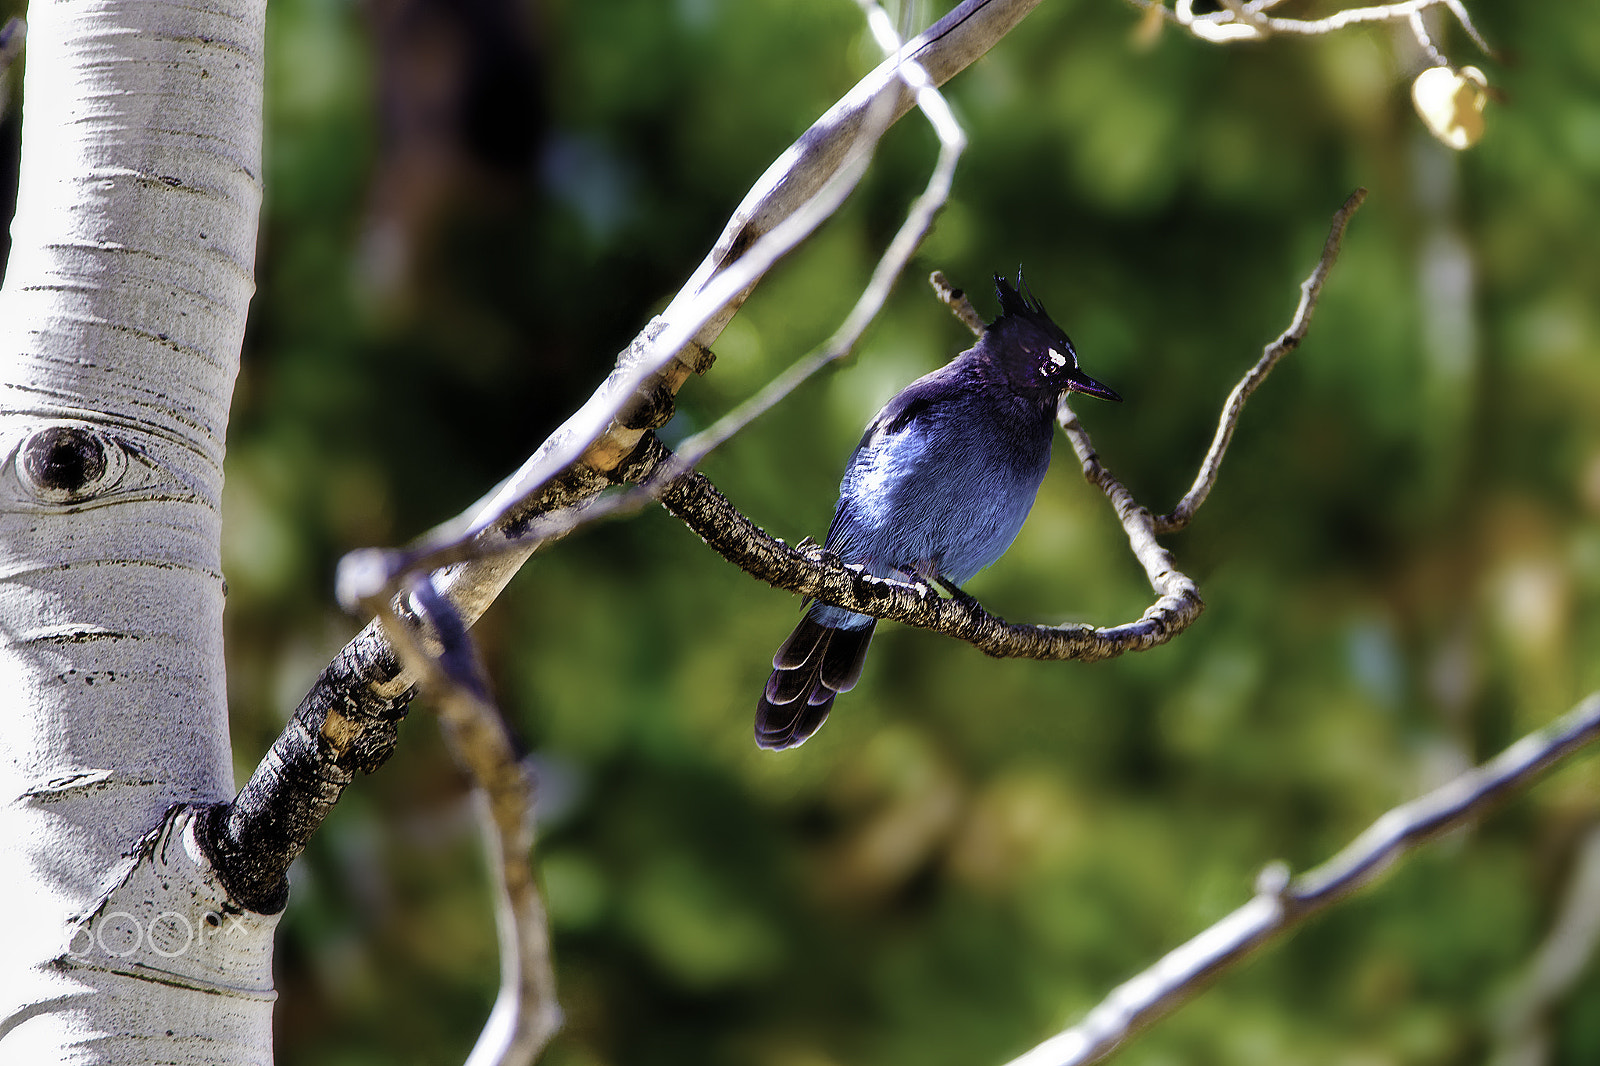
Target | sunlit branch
(804,187)
(347,722)
(919,219)
(1237,21)
(1282,903)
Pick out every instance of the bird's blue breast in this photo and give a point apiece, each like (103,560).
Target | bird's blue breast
(942,492)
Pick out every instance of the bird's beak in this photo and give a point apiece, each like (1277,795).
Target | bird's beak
(1078,381)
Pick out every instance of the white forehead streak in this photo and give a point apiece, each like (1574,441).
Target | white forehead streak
(1057,358)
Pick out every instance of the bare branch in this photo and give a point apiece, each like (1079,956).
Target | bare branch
(805,185)
(1238,21)
(952,142)
(1280,904)
(347,721)
(919,219)
(812,572)
(1286,342)
(956,299)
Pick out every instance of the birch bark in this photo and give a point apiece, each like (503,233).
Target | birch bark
(121,321)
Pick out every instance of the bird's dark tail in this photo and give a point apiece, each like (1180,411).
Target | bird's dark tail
(813,666)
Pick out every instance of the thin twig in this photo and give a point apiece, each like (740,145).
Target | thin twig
(1236,22)
(526,1013)
(1280,904)
(1286,342)
(952,142)
(1178,601)
(693,499)
(824,165)
(919,219)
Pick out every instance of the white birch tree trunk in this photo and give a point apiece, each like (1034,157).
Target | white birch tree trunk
(121,321)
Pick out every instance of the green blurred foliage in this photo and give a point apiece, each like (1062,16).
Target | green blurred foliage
(1401,562)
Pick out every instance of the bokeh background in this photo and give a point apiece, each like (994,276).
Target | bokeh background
(472,206)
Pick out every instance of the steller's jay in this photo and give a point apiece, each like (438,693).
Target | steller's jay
(937,490)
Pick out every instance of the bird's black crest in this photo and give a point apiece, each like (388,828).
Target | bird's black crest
(1019,302)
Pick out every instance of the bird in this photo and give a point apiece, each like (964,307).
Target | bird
(938,488)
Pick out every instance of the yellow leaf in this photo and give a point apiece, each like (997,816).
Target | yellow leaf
(1450,103)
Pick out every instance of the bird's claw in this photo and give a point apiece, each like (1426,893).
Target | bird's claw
(960,595)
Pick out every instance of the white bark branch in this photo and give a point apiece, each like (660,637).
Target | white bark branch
(1281,904)
(783,207)
(1238,21)
(346,723)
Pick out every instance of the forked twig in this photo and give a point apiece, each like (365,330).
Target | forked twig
(812,572)
(785,208)
(919,219)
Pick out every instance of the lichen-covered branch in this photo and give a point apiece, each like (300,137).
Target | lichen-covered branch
(800,190)
(812,572)
(1281,903)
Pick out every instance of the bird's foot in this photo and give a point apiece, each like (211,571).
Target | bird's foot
(958,594)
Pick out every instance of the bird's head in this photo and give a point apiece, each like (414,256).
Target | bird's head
(1034,352)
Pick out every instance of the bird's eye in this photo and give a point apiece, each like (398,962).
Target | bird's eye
(1057,360)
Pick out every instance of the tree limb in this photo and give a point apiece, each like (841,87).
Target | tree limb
(347,721)
(1281,904)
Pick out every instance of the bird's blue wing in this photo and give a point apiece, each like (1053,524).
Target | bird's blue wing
(893,437)
(943,478)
